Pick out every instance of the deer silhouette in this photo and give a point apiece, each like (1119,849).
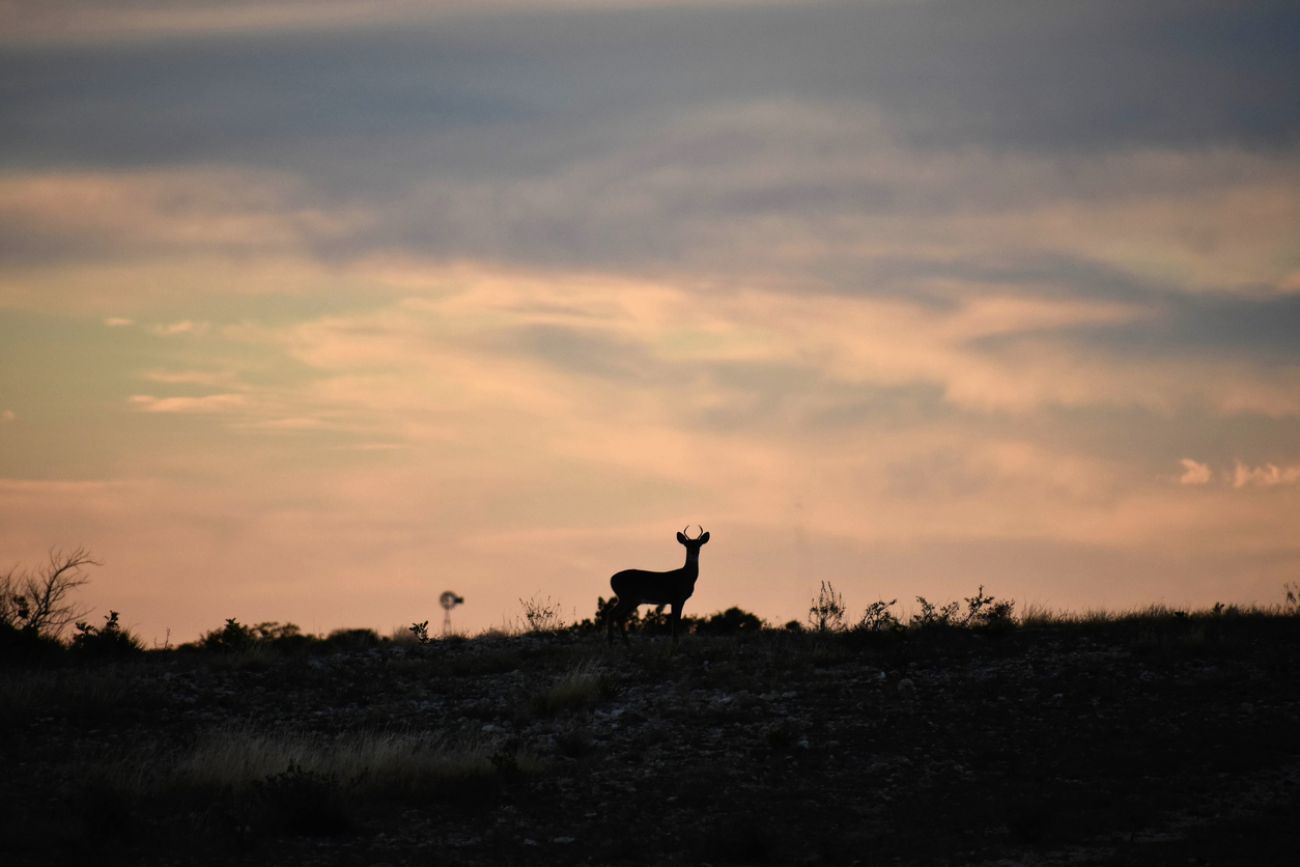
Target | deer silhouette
(635,587)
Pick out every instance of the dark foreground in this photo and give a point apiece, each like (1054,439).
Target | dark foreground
(1146,741)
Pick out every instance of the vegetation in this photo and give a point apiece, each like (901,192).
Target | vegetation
(107,641)
(827,612)
(541,615)
(420,631)
(582,685)
(260,743)
(36,606)
(1149,736)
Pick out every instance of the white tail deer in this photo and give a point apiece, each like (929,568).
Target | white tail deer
(635,587)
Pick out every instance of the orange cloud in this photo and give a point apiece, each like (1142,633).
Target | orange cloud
(1264,475)
(211,403)
(1194,473)
(185,326)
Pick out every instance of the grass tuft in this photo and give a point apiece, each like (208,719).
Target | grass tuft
(395,765)
(579,687)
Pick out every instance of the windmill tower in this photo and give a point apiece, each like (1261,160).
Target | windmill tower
(448,601)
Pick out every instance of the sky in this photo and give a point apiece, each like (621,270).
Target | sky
(311,310)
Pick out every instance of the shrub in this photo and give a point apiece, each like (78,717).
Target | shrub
(604,607)
(231,637)
(283,636)
(18,645)
(597,620)
(730,622)
(658,621)
(107,641)
(236,637)
(356,639)
(931,616)
(827,611)
(878,618)
(541,615)
(987,611)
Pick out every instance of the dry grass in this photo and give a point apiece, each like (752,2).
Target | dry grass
(581,686)
(84,693)
(387,764)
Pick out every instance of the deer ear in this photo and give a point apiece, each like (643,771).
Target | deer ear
(681,538)
(705,537)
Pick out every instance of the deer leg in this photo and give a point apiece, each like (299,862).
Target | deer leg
(614,617)
(675,618)
(618,615)
(623,615)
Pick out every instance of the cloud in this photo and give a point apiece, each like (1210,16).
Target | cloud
(211,403)
(476,280)
(1264,475)
(185,326)
(8,416)
(1194,473)
(64,21)
(116,214)
(1062,78)
(210,378)
(1242,475)
(769,356)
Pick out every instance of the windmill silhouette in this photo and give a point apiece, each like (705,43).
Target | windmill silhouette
(448,601)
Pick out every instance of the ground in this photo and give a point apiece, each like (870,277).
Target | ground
(1158,740)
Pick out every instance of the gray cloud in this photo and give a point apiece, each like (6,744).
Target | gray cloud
(879,142)
(1036,75)
(1219,327)
(603,138)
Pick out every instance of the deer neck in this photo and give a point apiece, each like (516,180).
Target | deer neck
(692,568)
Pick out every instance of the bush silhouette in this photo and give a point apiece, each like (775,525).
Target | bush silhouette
(109,641)
(733,620)
(231,637)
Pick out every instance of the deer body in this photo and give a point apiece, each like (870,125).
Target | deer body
(635,587)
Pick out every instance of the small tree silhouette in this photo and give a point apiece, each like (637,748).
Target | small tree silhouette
(39,603)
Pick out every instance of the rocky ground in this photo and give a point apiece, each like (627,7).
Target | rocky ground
(1171,740)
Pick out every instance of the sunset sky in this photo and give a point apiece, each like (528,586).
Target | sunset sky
(311,310)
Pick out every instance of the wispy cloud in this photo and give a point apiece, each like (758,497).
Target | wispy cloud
(1194,473)
(63,21)
(207,404)
(1264,475)
(211,378)
(521,283)
(1241,475)
(184,326)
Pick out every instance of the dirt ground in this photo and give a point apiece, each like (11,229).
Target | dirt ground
(1145,742)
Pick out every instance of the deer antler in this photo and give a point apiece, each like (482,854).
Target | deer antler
(633,587)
